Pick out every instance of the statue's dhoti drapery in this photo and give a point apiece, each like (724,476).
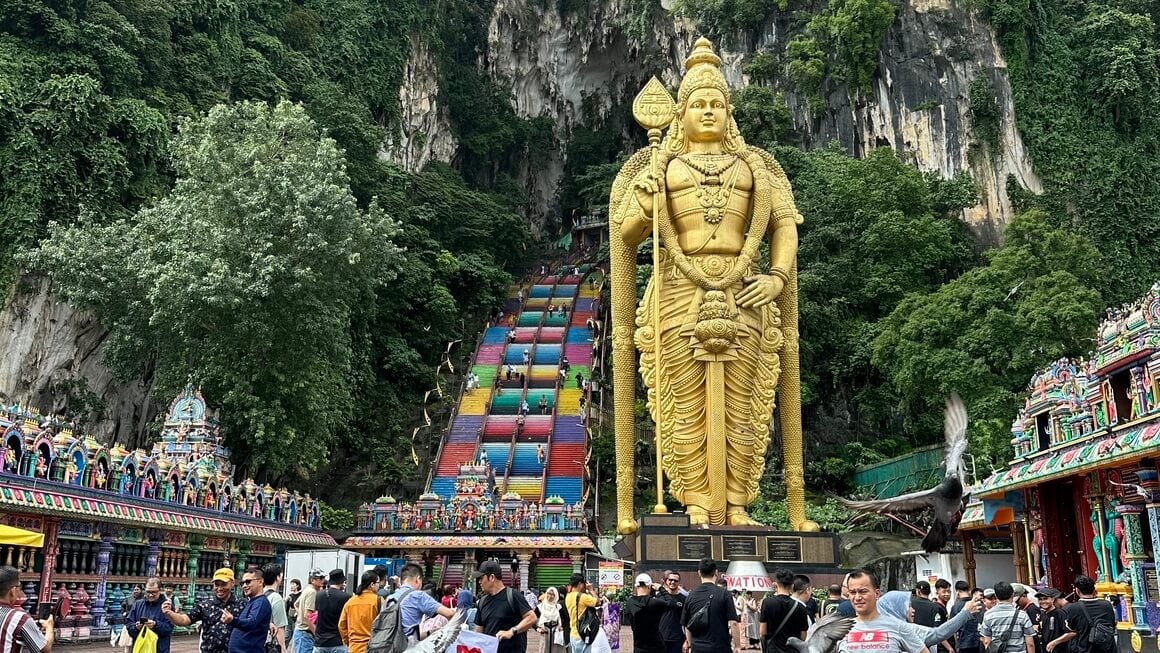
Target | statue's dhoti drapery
(720,367)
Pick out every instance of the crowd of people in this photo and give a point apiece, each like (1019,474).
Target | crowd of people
(325,617)
(1005,618)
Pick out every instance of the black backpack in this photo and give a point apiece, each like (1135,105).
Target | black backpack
(589,625)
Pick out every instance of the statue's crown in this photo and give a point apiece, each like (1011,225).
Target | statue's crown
(702,70)
(702,54)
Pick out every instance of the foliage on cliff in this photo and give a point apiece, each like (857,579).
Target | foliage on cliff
(90,95)
(1086,83)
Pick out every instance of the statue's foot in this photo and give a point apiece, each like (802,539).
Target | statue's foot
(698,516)
(740,517)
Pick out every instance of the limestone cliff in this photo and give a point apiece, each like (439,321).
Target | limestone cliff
(576,69)
(52,359)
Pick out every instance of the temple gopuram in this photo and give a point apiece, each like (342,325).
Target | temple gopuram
(1081,495)
(509,480)
(111,517)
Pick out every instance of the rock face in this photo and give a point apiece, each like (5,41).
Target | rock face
(577,69)
(52,359)
(424,133)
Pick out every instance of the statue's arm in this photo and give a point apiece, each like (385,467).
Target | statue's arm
(636,210)
(784,217)
(630,208)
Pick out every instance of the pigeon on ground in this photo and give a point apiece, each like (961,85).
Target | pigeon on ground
(946,500)
(823,635)
(440,640)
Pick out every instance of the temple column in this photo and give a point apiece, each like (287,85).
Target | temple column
(191,566)
(51,526)
(155,538)
(104,551)
(243,556)
(1154,526)
(280,555)
(1019,544)
(1096,506)
(525,562)
(969,564)
(1136,559)
(468,566)
(577,563)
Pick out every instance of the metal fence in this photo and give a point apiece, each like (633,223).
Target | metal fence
(921,468)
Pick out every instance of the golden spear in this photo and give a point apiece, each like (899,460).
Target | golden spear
(653,109)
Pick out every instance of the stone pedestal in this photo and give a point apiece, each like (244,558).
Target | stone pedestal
(669,542)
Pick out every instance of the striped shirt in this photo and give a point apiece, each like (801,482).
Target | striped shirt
(19,632)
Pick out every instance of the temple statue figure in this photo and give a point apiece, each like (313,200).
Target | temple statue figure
(728,322)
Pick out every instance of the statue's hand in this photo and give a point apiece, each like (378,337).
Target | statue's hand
(645,190)
(760,289)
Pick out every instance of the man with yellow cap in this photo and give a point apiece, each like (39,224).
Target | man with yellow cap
(215,634)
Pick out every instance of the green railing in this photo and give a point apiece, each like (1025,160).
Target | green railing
(919,469)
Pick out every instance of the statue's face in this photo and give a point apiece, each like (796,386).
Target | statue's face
(706,116)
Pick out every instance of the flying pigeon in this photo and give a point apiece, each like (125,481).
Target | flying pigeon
(440,640)
(823,635)
(946,500)
(1139,489)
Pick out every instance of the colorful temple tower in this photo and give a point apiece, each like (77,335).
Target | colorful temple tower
(1081,494)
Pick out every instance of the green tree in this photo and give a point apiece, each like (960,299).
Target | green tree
(766,116)
(985,333)
(871,237)
(243,278)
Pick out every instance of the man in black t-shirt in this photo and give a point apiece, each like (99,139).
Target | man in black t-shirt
(722,614)
(1028,602)
(1079,617)
(1050,618)
(832,601)
(781,616)
(672,630)
(328,606)
(646,607)
(503,612)
(926,612)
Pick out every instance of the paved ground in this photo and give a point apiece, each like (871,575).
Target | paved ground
(188,644)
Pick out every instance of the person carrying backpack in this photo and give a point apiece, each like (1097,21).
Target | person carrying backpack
(1089,624)
(1006,628)
(709,615)
(503,612)
(581,608)
(413,604)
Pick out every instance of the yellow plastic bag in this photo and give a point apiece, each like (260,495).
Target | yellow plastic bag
(146,641)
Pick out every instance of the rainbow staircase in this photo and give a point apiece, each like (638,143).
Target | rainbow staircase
(547,457)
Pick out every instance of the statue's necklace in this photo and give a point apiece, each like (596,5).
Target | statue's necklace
(712,195)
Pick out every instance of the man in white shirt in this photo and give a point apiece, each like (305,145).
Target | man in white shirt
(874,632)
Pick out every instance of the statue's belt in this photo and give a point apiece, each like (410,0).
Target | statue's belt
(714,266)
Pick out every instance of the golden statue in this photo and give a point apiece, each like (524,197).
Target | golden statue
(728,333)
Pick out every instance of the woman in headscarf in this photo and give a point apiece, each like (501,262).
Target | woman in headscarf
(548,624)
(466,601)
(897,604)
